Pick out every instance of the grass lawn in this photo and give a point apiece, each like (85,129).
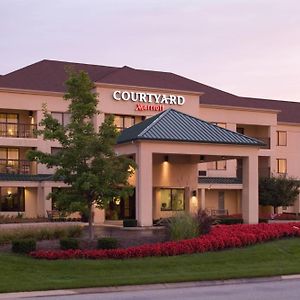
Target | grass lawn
(20,273)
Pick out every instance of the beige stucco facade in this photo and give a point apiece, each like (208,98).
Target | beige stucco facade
(183,171)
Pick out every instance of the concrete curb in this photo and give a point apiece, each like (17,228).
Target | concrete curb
(158,286)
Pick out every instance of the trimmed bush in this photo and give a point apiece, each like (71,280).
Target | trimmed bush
(39,233)
(221,237)
(129,223)
(69,243)
(23,246)
(229,221)
(107,243)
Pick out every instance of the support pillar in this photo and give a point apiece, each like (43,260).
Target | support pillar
(250,189)
(297,205)
(202,204)
(144,187)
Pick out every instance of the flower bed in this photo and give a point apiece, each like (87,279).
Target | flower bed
(221,237)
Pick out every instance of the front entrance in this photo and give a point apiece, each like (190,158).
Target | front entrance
(121,208)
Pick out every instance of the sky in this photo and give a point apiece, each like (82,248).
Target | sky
(245,47)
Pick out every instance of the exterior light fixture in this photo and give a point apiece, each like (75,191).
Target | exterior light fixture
(30,114)
(202,157)
(194,193)
(166,159)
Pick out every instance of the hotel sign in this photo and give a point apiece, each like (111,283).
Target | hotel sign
(148,101)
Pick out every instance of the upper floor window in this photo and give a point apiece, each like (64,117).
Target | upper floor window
(217,165)
(63,118)
(55,150)
(123,121)
(9,124)
(281,166)
(281,138)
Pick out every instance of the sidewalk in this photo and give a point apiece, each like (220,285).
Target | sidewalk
(158,286)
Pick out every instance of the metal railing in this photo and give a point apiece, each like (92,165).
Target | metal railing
(17,166)
(18,130)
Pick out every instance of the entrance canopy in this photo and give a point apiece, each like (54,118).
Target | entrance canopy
(172,125)
(172,134)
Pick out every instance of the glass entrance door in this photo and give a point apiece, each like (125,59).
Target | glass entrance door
(121,208)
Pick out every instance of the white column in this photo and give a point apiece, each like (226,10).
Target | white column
(144,187)
(43,203)
(250,189)
(297,205)
(202,204)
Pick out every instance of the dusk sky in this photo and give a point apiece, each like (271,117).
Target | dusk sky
(246,47)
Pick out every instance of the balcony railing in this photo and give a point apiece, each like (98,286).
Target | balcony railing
(17,130)
(16,166)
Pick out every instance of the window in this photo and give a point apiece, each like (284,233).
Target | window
(9,124)
(172,199)
(12,199)
(9,160)
(63,118)
(281,166)
(217,165)
(281,138)
(122,121)
(55,150)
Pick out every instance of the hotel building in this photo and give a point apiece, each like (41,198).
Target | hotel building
(195,146)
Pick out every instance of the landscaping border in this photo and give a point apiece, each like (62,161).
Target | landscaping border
(221,237)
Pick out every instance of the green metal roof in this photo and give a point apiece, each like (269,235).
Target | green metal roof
(26,177)
(172,125)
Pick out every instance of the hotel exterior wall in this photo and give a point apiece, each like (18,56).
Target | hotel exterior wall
(290,152)
(108,105)
(231,202)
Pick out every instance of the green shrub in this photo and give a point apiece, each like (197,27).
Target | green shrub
(229,221)
(129,223)
(68,243)
(107,243)
(23,246)
(204,221)
(183,226)
(42,233)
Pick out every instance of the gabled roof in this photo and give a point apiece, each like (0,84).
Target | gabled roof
(172,125)
(50,75)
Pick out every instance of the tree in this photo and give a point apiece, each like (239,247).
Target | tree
(278,191)
(86,162)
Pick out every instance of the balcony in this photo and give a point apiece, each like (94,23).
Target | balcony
(17,166)
(259,132)
(262,172)
(266,140)
(17,130)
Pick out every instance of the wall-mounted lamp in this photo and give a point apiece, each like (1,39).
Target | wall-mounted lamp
(30,114)
(194,193)
(202,157)
(166,158)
